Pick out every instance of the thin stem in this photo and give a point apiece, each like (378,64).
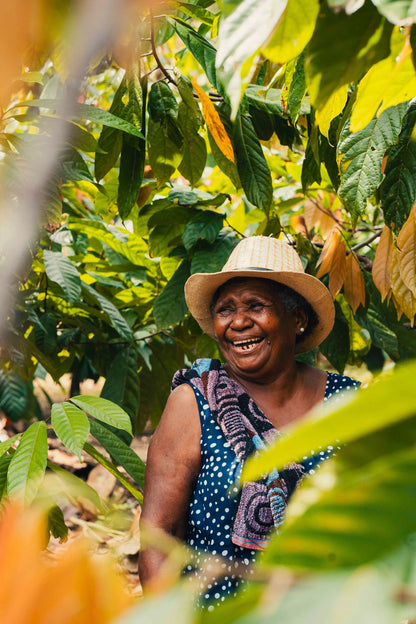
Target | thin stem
(155,54)
(233,228)
(367,242)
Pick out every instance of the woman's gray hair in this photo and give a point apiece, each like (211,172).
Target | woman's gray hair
(289,298)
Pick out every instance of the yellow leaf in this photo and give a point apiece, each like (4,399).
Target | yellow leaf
(354,287)
(381,264)
(293,32)
(406,244)
(388,82)
(403,298)
(337,270)
(333,107)
(327,254)
(214,123)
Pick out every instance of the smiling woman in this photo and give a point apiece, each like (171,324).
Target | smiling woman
(263,309)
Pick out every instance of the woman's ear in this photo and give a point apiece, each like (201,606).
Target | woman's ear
(301,321)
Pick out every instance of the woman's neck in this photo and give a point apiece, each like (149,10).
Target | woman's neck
(289,396)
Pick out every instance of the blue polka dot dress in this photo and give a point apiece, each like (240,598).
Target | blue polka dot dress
(219,565)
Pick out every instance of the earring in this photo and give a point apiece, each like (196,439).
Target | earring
(301,329)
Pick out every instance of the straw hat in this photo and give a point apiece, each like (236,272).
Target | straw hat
(264,257)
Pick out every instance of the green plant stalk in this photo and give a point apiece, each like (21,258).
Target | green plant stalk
(88,448)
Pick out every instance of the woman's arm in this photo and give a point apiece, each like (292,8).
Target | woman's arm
(173,465)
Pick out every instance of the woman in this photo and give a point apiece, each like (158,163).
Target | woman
(262,309)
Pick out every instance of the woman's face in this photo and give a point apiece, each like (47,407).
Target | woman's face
(256,334)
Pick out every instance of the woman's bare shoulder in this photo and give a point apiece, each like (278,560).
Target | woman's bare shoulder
(180,415)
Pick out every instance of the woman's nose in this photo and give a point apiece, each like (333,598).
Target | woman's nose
(241,318)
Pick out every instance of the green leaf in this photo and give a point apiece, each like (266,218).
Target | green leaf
(311,168)
(355,522)
(364,596)
(381,335)
(364,413)
(241,34)
(398,191)
(71,425)
(194,157)
(13,395)
(293,32)
(4,467)
(28,464)
(165,154)
(297,89)
(132,161)
(207,225)
(265,99)
(59,269)
(170,306)
(52,203)
(6,444)
(110,139)
(86,111)
(336,347)
(130,246)
(122,384)
(211,258)
(162,102)
(251,164)
(401,13)
(76,488)
(45,333)
(200,48)
(122,454)
(77,136)
(197,12)
(116,319)
(105,411)
(342,48)
(175,605)
(361,155)
(56,523)
(114,471)
(74,167)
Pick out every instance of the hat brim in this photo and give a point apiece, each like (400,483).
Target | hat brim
(200,289)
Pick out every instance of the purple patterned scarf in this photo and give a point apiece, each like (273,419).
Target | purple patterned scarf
(262,503)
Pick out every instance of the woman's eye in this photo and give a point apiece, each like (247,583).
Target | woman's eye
(257,307)
(225,311)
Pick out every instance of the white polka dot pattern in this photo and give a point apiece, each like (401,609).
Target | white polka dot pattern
(214,503)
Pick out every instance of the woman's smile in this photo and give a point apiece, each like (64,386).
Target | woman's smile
(247,345)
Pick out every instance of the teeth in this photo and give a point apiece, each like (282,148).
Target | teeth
(246,345)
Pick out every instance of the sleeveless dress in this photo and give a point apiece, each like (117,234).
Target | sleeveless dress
(216,562)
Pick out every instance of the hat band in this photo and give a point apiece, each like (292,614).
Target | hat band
(251,269)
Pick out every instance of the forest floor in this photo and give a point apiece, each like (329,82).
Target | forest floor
(116,532)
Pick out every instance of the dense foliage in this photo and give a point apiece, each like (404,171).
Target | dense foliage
(204,123)
(220,123)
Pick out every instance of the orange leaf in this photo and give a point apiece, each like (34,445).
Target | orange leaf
(406,244)
(403,297)
(70,587)
(337,270)
(354,287)
(311,214)
(326,258)
(214,123)
(381,264)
